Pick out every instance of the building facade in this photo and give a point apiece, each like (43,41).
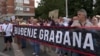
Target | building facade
(10,8)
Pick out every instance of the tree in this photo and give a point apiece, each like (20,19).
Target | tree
(88,6)
(75,5)
(97,7)
(48,5)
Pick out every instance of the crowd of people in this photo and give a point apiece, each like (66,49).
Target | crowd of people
(81,20)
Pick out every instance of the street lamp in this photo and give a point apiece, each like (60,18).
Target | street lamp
(66,8)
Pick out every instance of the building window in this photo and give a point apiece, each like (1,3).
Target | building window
(19,8)
(26,2)
(26,9)
(7,9)
(19,1)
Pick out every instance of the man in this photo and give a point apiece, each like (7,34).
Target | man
(82,19)
(81,22)
(7,28)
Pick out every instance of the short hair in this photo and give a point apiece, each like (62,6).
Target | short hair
(83,11)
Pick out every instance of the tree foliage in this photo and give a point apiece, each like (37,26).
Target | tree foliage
(73,5)
(48,5)
(97,7)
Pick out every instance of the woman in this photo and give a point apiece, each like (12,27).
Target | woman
(94,21)
(35,45)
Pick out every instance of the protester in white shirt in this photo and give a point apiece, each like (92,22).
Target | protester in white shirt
(81,22)
(7,27)
(94,21)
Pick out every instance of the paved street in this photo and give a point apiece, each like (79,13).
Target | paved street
(24,52)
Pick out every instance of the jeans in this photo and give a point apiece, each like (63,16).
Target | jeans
(36,47)
(23,43)
(75,54)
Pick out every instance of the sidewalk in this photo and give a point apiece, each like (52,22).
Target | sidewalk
(22,52)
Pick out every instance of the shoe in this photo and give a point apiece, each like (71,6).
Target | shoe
(18,50)
(23,47)
(34,53)
(59,55)
(10,49)
(5,50)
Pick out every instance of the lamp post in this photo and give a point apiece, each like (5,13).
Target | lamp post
(66,8)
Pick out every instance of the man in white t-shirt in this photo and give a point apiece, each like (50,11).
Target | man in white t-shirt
(7,27)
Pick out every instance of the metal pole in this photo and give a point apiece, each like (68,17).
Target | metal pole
(66,8)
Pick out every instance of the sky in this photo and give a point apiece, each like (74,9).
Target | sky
(36,3)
